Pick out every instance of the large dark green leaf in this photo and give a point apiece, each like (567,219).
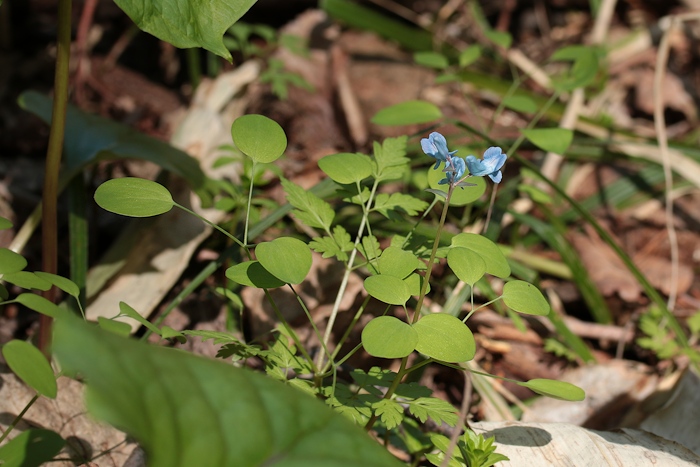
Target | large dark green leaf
(187,410)
(187,23)
(90,138)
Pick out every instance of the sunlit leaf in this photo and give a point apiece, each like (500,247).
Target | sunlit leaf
(27,280)
(556,140)
(431,60)
(389,337)
(469,55)
(346,167)
(467,265)
(125,309)
(67,285)
(444,337)
(520,103)
(31,366)
(253,274)
(494,259)
(524,297)
(31,448)
(397,262)
(555,389)
(387,289)
(286,258)
(407,113)
(258,137)
(134,197)
(40,305)
(11,262)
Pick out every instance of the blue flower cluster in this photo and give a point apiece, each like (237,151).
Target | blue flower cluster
(435,145)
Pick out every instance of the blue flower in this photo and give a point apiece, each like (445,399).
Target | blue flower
(490,165)
(454,168)
(435,145)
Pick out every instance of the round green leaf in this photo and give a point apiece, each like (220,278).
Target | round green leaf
(555,389)
(286,258)
(31,447)
(523,104)
(389,337)
(524,297)
(469,55)
(39,304)
(431,60)
(31,366)
(556,140)
(407,113)
(461,196)
(11,262)
(467,265)
(496,263)
(67,285)
(253,274)
(5,223)
(397,262)
(445,338)
(27,280)
(414,282)
(134,197)
(346,167)
(258,137)
(387,289)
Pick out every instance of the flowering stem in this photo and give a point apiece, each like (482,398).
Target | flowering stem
(436,244)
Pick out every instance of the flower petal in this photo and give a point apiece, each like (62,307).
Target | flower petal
(440,144)
(496,176)
(477,167)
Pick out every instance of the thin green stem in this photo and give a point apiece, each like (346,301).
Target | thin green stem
(349,329)
(309,317)
(18,418)
(207,221)
(53,163)
(250,200)
(431,262)
(346,278)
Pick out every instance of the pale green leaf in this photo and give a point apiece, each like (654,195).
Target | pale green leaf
(469,55)
(126,310)
(524,297)
(467,265)
(444,337)
(309,208)
(346,167)
(286,258)
(27,280)
(431,60)
(253,274)
(258,137)
(390,158)
(556,140)
(389,412)
(555,389)
(67,285)
(407,113)
(387,289)
(389,337)
(397,262)
(31,366)
(496,263)
(11,262)
(40,305)
(134,197)
(387,204)
(521,103)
